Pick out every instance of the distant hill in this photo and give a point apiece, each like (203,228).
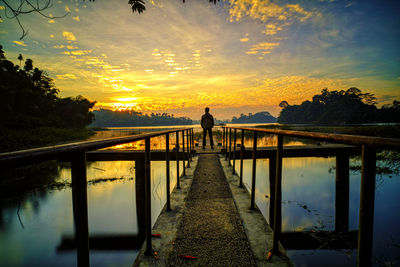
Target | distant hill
(110,118)
(260,117)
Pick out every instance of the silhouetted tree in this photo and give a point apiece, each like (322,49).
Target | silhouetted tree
(337,107)
(260,117)
(29,99)
(283,104)
(20,58)
(128,118)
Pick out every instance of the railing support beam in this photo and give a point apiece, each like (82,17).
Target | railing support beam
(188,148)
(223,138)
(140,176)
(147,186)
(253,176)
(278,197)
(183,150)
(241,159)
(342,193)
(230,147)
(226,143)
(234,152)
(167,158)
(80,209)
(272,178)
(178,185)
(367,202)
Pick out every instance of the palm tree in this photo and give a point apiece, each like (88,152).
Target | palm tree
(20,58)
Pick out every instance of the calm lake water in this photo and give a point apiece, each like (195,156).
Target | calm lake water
(35,219)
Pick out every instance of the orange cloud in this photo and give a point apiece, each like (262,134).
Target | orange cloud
(21,43)
(69,36)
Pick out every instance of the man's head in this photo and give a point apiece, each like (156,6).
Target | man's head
(207,109)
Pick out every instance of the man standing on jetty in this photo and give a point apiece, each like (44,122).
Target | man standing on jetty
(207,122)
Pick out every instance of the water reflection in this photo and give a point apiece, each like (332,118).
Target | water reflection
(35,221)
(308,199)
(36,216)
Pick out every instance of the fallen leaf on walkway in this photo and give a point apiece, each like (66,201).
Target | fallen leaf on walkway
(269,256)
(155,235)
(188,257)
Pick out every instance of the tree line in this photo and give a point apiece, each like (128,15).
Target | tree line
(349,106)
(129,118)
(31,112)
(259,117)
(29,99)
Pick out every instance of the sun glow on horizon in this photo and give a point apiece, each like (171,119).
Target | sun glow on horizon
(238,56)
(122,107)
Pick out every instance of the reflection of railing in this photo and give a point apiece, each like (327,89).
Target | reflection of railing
(76,154)
(368,152)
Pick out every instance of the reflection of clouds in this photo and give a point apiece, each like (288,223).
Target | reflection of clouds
(304,180)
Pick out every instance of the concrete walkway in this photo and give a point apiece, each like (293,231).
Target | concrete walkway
(211,228)
(211,220)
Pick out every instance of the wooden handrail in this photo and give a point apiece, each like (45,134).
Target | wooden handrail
(76,154)
(369,145)
(357,140)
(25,157)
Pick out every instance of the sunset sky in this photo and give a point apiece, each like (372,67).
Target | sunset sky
(238,56)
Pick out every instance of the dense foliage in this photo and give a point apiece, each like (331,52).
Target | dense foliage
(31,112)
(129,118)
(340,107)
(29,99)
(260,117)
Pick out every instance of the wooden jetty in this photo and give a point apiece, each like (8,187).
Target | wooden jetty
(243,226)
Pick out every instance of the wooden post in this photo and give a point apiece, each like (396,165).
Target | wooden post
(183,153)
(241,159)
(167,157)
(253,176)
(272,177)
(193,141)
(223,137)
(140,174)
(191,144)
(367,202)
(188,148)
(230,147)
(234,151)
(178,185)
(226,143)
(147,186)
(80,210)
(278,197)
(342,193)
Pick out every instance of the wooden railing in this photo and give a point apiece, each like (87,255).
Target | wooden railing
(368,154)
(76,154)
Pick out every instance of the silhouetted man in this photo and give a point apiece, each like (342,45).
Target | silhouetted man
(207,122)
